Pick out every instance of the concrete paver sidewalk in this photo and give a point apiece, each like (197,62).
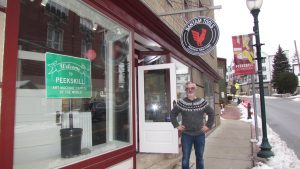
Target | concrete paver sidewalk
(229,146)
(232,112)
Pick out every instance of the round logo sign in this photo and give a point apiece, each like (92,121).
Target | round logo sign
(200,36)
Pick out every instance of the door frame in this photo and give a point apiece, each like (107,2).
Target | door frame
(141,107)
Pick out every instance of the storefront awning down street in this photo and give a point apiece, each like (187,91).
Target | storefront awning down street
(143,21)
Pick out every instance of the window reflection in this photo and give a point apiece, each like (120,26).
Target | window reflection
(70,28)
(182,76)
(154,60)
(157,95)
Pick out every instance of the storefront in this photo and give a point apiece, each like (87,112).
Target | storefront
(87,84)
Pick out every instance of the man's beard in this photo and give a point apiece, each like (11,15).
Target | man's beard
(190,95)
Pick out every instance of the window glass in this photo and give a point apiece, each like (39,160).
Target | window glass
(182,76)
(153,60)
(157,95)
(73,98)
(264,77)
(209,92)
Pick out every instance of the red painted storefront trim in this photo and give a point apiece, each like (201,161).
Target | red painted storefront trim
(133,100)
(105,160)
(9,98)
(9,84)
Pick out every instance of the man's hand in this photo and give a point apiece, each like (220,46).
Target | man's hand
(205,129)
(180,127)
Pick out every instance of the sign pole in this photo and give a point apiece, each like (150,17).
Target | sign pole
(297,56)
(70,115)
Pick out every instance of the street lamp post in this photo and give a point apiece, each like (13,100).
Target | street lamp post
(265,147)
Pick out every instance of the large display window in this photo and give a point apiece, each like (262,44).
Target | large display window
(73,98)
(182,77)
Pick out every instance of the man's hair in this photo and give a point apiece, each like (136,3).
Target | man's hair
(189,82)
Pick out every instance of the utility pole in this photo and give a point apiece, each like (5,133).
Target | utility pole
(297,56)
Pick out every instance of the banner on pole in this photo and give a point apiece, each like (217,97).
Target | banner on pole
(243,54)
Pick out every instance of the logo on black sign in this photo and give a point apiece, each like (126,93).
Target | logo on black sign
(200,36)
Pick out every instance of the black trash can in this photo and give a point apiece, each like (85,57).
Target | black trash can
(70,142)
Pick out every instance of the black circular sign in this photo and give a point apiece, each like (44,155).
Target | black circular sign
(200,36)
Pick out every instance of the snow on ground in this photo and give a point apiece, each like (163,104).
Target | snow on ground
(285,158)
(275,96)
(296,99)
(296,96)
(261,165)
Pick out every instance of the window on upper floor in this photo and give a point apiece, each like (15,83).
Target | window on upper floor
(56,9)
(221,71)
(55,38)
(264,77)
(85,46)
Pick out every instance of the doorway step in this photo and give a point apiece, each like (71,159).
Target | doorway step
(157,161)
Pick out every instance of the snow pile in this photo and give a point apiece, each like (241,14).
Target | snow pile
(296,99)
(271,97)
(284,157)
(244,113)
(261,165)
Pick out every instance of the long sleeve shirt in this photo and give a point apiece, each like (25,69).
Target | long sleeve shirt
(192,112)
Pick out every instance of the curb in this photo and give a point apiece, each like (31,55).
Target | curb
(253,146)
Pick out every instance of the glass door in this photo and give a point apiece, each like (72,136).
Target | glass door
(157,91)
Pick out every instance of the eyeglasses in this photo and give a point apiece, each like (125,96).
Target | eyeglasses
(190,88)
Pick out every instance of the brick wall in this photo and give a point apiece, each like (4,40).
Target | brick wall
(177,22)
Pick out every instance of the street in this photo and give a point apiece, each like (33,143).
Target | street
(283,116)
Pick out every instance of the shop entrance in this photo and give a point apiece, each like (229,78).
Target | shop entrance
(156,92)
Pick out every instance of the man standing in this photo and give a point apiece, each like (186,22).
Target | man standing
(192,110)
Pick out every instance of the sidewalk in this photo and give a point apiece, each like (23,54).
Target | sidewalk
(228,147)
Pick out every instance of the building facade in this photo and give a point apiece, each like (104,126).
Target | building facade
(222,69)
(245,80)
(88,84)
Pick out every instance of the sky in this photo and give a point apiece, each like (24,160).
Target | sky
(279,24)
(285,158)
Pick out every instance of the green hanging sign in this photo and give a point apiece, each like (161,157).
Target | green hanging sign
(67,76)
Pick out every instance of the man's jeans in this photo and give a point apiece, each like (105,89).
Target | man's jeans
(187,142)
